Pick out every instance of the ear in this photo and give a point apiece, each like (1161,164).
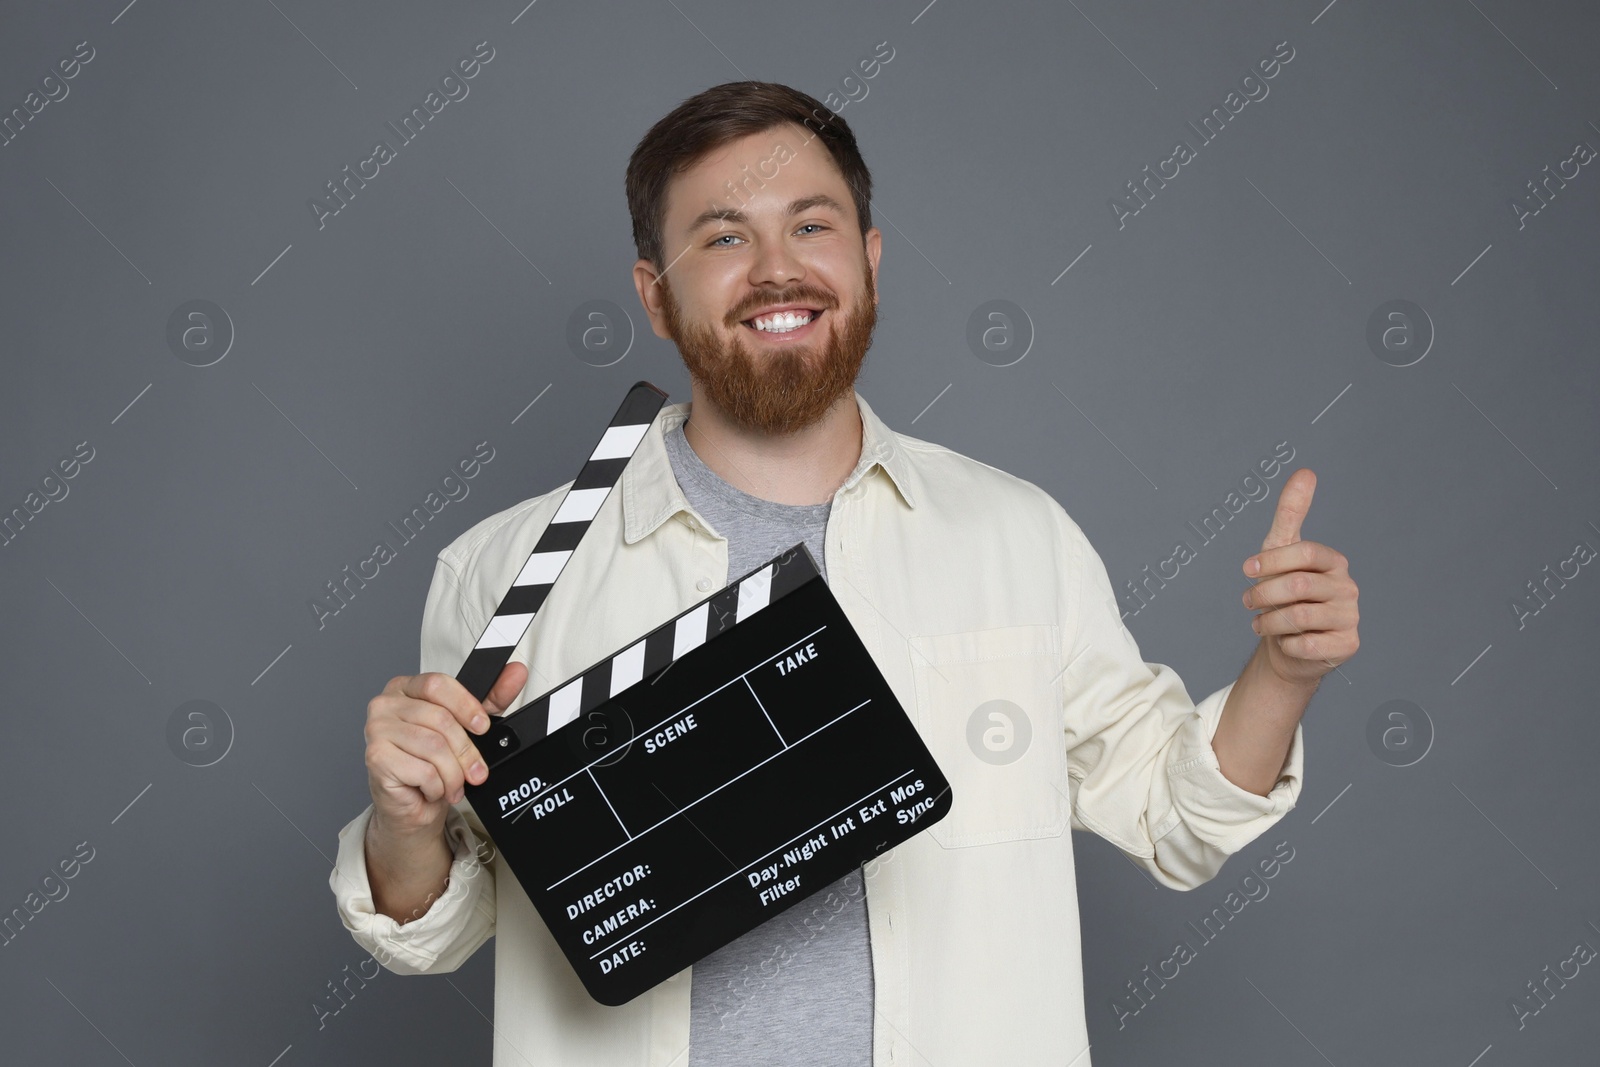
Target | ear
(874,242)
(646,280)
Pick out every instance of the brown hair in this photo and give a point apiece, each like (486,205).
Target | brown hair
(719,115)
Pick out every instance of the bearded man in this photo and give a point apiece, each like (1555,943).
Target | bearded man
(980,600)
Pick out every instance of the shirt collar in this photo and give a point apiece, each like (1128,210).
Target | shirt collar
(651,494)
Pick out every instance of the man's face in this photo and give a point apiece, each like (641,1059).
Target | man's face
(749,229)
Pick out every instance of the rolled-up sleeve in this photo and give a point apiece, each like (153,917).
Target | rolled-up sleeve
(463,917)
(1141,771)
(441,938)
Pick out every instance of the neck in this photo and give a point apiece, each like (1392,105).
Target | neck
(805,467)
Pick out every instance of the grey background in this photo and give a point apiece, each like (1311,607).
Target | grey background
(1230,314)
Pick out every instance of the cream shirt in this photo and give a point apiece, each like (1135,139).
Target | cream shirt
(968,586)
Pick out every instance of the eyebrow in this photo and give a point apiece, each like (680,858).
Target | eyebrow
(733,214)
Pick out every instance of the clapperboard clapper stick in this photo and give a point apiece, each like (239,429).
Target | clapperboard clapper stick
(715,772)
(572,520)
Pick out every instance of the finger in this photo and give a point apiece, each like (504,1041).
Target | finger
(1305,618)
(431,733)
(1300,556)
(1292,588)
(1294,500)
(397,769)
(443,690)
(506,688)
(1329,648)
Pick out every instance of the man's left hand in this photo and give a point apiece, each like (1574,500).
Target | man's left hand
(1308,600)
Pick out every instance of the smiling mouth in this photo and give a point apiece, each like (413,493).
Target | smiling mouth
(784,323)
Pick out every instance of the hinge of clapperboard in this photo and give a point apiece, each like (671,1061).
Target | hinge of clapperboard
(555,546)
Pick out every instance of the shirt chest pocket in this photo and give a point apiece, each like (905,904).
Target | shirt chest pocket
(988,706)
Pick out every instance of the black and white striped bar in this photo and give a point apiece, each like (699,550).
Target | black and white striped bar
(648,656)
(572,520)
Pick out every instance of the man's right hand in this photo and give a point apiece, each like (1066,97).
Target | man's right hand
(419,757)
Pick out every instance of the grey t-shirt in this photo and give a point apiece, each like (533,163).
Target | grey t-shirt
(798,988)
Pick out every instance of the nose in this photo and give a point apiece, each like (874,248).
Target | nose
(776,265)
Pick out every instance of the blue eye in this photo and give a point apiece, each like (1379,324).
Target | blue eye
(715,240)
(816,225)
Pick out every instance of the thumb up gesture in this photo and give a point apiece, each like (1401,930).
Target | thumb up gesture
(1307,600)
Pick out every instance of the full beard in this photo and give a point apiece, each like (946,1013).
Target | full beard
(784,390)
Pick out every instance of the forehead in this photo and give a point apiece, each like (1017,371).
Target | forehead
(757,173)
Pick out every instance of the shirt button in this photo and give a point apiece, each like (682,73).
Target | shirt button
(703,584)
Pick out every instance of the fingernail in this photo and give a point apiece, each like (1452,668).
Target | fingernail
(480,723)
(456,798)
(476,771)
(1252,566)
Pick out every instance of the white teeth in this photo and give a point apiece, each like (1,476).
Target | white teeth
(782,321)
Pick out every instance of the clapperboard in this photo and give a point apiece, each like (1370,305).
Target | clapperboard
(710,775)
